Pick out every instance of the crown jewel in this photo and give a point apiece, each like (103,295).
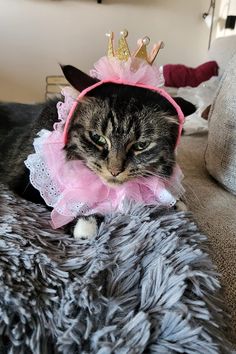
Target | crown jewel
(123,53)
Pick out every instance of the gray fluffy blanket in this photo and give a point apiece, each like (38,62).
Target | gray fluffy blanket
(144,285)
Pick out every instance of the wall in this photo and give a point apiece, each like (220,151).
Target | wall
(227,7)
(35,35)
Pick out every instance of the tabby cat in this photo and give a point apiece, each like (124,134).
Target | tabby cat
(120,132)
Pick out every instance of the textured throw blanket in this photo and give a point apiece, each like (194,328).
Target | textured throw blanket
(144,285)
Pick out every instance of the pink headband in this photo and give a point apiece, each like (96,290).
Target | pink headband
(122,82)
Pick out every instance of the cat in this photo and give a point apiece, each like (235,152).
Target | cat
(121,132)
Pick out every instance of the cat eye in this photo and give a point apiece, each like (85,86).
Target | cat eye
(141,145)
(97,139)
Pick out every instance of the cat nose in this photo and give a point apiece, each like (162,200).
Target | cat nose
(115,172)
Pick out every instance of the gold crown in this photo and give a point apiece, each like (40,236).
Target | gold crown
(123,53)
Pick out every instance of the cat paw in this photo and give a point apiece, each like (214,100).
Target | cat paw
(85,228)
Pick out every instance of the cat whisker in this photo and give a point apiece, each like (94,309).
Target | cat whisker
(160,176)
(155,174)
(197,202)
(28,184)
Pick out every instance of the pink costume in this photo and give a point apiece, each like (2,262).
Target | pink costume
(70,187)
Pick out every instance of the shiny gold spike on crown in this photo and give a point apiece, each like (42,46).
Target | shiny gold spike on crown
(123,53)
(110,49)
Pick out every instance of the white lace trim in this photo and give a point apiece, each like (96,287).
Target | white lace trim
(42,181)
(39,175)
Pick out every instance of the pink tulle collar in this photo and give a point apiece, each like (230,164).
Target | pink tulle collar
(71,188)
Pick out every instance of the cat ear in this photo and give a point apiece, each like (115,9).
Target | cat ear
(186,106)
(79,80)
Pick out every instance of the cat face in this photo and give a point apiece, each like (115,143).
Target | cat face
(123,132)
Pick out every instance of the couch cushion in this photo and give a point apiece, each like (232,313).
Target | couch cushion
(222,50)
(214,210)
(221,150)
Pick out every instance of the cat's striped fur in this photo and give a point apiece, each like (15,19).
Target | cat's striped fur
(124,116)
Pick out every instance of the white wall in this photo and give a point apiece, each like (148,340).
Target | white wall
(37,34)
(227,7)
